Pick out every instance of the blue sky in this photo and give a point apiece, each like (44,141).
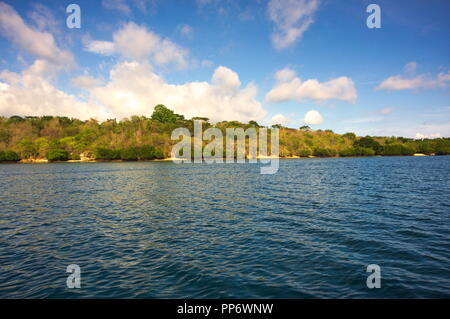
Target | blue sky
(272,61)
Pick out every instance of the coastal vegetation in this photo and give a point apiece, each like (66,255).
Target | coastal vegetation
(58,138)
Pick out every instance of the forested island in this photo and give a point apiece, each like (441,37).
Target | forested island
(55,138)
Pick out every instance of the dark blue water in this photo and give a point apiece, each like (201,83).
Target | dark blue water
(156,229)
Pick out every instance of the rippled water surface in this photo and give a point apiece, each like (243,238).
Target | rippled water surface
(160,230)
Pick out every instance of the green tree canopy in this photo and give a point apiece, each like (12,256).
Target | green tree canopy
(305,128)
(351,136)
(164,115)
(368,142)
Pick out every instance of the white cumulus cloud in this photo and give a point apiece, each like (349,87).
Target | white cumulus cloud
(313,117)
(100,47)
(135,42)
(280,119)
(290,87)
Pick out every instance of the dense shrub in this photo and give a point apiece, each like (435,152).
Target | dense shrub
(348,152)
(74,156)
(304,152)
(9,156)
(368,142)
(159,154)
(129,154)
(324,152)
(146,153)
(357,151)
(57,155)
(397,149)
(445,150)
(103,153)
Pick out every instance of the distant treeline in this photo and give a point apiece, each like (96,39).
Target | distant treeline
(142,138)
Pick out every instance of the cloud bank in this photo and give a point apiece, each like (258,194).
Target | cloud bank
(132,89)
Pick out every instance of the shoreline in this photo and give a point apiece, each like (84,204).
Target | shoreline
(172,159)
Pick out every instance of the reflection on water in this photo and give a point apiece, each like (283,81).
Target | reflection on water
(157,229)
